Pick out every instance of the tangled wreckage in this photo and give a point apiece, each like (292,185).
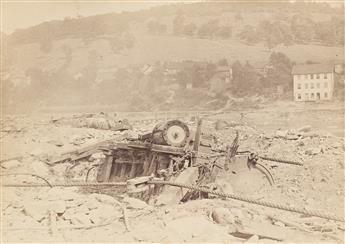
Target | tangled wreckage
(166,156)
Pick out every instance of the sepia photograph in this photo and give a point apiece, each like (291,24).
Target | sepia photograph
(171,121)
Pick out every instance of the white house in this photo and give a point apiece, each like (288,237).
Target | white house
(313,82)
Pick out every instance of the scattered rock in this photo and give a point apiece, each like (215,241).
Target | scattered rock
(314,151)
(36,209)
(56,143)
(104,213)
(77,140)
(171,195)
(292,137)
(134,203)
(281,133)
(253,238)
(96,156)
(223,216)
(221,125)
(81,219)
(195,229)
(104,198)
(11,164)
(40,168)
(59,207)
(306,128)
(36,152)
(278,223)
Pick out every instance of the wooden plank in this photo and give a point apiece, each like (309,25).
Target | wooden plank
(196,142)
(146,164)
(105,169)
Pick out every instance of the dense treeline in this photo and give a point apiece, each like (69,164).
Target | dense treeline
(165,84)
(86,28)
(298,29)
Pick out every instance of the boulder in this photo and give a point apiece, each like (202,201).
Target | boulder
(56,143)
(96,156)
(133,203)
(304,129)
(102,198)
(221,125)
(92,203)
(173,195)
(58,207)
(81,219)
(223,216)
(314,151)
(40,168)
(195,229)
(11,164)
(253,238)
(36,209)
(103,214)
(281,133)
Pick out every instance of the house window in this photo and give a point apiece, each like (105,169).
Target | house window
(306,96)
(326,95)
(317,76)
(325,84)
(305,76)
(312,96)
(318,85)
(312,76)
(299,86)
(306,85)
(312,85)
(299,96)
(325,76)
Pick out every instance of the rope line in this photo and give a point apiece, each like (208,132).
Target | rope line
(191,187)
(68,184)
(254,201)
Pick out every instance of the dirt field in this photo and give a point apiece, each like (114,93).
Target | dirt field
(312,134)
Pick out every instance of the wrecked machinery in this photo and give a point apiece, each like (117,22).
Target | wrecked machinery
(168,150)
(148,163)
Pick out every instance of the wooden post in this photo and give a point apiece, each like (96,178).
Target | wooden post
(105,169)
(197,141)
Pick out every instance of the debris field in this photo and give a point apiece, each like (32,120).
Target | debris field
(31,146)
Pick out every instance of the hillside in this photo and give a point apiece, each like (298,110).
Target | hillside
(88,51)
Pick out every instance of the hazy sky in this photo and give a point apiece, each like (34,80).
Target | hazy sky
(22,14)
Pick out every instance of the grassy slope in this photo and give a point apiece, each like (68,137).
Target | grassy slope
(149,49)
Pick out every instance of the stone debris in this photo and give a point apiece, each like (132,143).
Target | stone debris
(11,164)
(305,129)
(165,219)
(133,203)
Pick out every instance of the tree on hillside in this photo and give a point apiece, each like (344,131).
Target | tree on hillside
(156,28)
(178,24)
(248,33)
(302,28)
(208,29)
(189,29)
(280,72)
(222,62)
(224,32)
(237,74)
(250,79)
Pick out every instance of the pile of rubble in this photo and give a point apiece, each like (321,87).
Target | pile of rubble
(70,214)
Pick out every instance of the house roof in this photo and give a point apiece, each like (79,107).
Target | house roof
(312,69)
